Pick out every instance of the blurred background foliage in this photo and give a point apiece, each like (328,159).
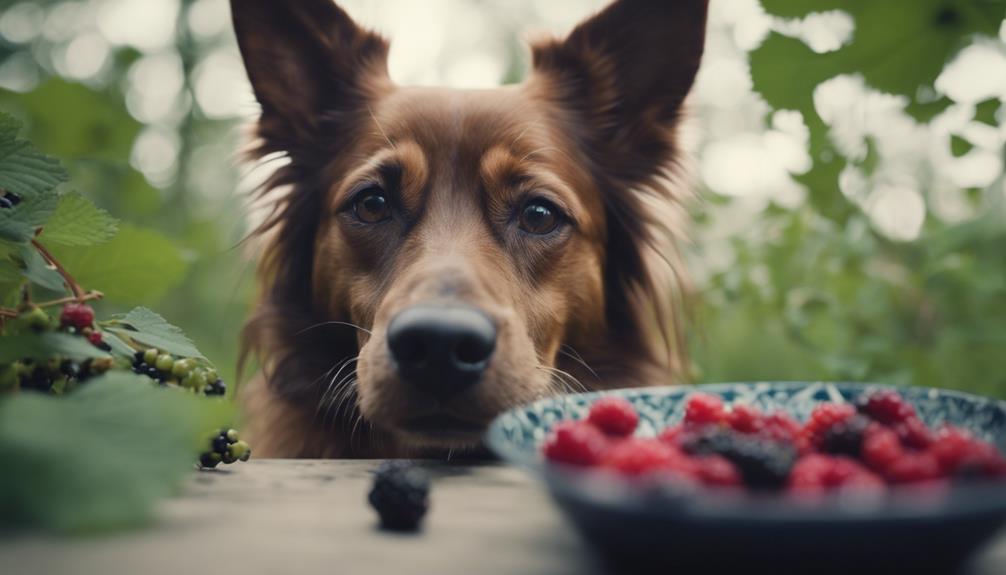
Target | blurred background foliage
(853,217)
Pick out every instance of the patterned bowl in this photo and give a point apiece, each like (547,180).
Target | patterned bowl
(905,531)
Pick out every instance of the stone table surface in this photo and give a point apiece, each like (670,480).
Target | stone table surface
(310,516)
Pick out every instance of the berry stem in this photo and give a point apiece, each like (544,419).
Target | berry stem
(78,293)
(91,295)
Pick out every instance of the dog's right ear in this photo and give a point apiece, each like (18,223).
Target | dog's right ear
(307,60)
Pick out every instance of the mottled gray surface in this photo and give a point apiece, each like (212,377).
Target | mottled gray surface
(288,517)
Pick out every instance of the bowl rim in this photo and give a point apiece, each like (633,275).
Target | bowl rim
(624,496)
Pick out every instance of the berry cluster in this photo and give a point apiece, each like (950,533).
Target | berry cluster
(8,200)
(400,495)
(169,370)
(225,447)
(876,442)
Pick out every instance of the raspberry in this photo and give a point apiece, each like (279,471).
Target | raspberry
(704,409)
(672,435)
(881,447)
(78,315)
(95,338)
(400,495)
(780,427)
(885,406)
(961,454)
(815,473)
(845,437)
(614,416)
(745,419)
(913,467)
(575,443)
(763,464)
(913,433)
(637,456)
(717,471)
(822,419)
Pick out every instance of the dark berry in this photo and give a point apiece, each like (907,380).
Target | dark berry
(138,357)
(575,443)
(220,444)
(218,387)
(822,419)
(614,416)
(764,464)
(209,460)
(400,495)
(77,315)
(5,204)
(885,406)
(704,409)
(845,437)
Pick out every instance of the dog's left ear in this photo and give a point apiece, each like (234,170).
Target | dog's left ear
(625,73)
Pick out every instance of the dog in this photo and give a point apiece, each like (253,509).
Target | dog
(433,257)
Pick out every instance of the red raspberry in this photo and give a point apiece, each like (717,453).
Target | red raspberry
(816,473)
(704,409)
(881,447)
(960,453)
(575,443)
(778,426)
(913,433)
(614,416)
(638,456)
(886,406)
(717,471)
(671,435)
(78,315)
(913,467)
(94,337)
(745,419)
(822,419)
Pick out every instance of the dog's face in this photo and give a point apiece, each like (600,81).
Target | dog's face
(467,234)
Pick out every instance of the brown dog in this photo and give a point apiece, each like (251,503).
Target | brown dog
(437,256)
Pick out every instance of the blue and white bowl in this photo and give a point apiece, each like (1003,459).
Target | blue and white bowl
(905,531)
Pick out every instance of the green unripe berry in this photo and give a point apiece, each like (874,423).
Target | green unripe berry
(238,450)
(211,375)
(150,356)
(196,379)
(232,435)
(164,362)
(35,319)
(9,378)
(181,368)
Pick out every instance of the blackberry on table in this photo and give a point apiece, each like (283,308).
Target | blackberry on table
(400,495)
(225,447)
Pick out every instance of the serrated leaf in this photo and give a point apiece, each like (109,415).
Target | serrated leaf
(147,327)
(100,457)
(135,266)
(78,222)
(118,346)
(36,270)
(959,146)
(18,224)
(45,346)
(24,170)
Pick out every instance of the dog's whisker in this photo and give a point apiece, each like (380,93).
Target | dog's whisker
(332,386)
(345,323)
(565,379)
(575,356)
(337,367)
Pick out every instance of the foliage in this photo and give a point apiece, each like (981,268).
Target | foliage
(817,292)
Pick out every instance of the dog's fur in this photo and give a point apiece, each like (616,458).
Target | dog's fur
(595,304)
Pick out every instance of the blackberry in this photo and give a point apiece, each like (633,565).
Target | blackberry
(5,204)
(846,437)
(225,447)
(209,460)
(218,387)
(764,464)
(8,200)
(400,495)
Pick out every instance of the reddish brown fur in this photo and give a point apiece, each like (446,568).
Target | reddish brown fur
(592,130)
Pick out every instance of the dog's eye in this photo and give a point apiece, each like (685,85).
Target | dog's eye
(539,217)
(372,206)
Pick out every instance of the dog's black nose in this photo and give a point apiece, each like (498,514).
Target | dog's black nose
(442,349)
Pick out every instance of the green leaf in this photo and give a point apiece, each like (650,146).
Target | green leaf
(78,222)
(959,146)
(18,224)
(135,266)
(147,327)
(24,170)
(118,346)
(45,346)
(985,112)
(36,270)
(100,457)
(926,111)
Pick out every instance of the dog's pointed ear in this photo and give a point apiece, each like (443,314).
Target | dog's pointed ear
(306,59)
(626,72)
